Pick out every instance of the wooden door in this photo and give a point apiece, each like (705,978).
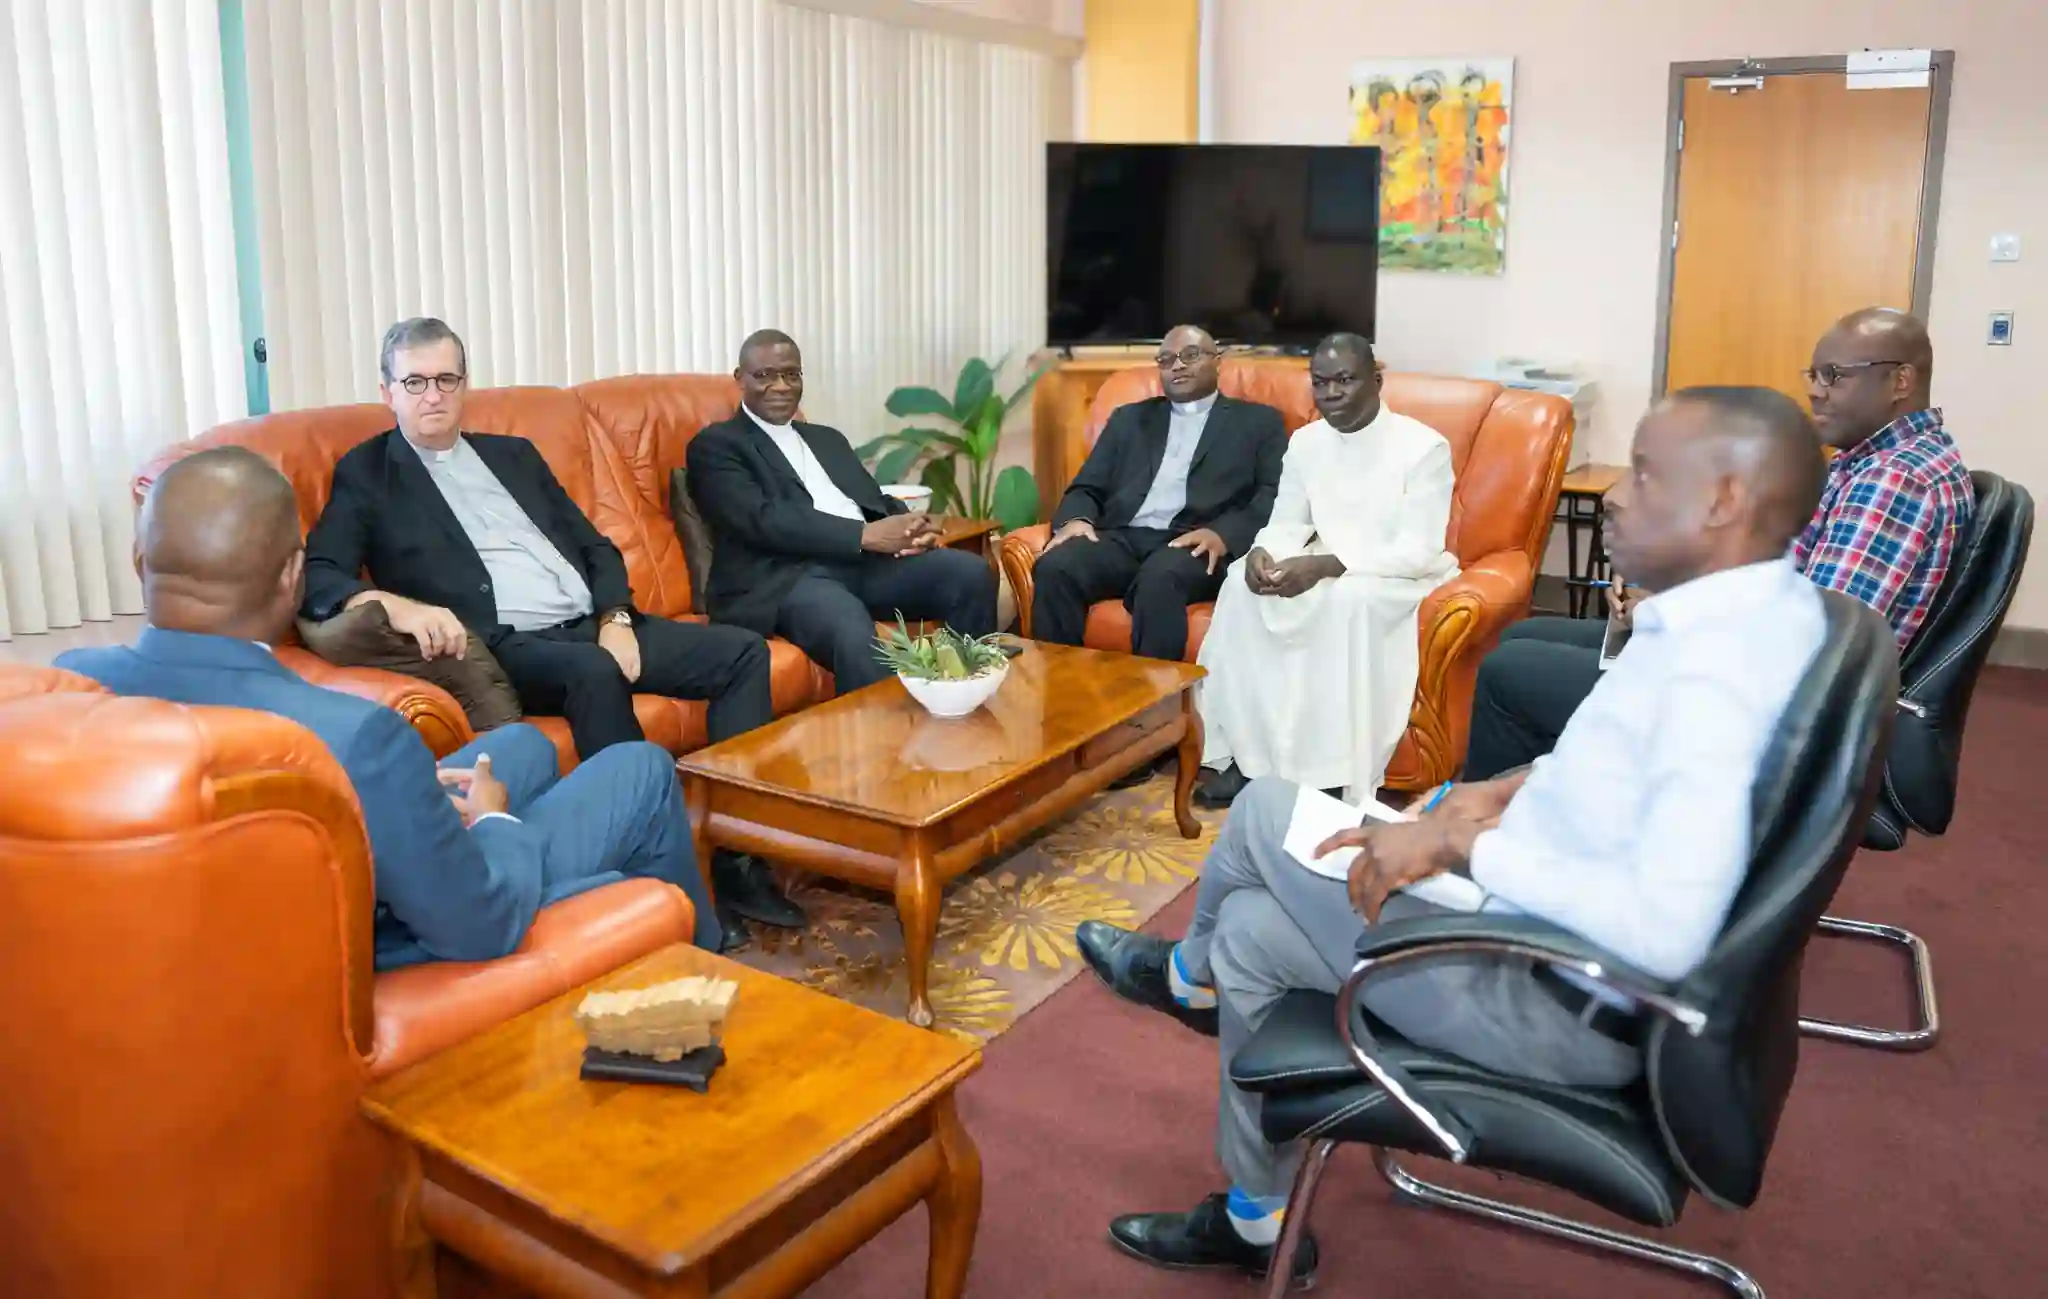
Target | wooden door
(1798,202)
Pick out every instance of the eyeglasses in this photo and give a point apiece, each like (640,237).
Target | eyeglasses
(1827,376)
(766,378)
(417,383)
(1188,356)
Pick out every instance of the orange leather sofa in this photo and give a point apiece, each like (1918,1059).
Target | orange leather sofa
(186,942)
(1509,449)
(613,444)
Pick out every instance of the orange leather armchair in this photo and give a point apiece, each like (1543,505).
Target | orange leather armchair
(1509,449)
(186,942)
(613,444)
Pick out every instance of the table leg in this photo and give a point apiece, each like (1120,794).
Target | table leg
(917,906)
(412,1254)
(1596,549)
(1190,764)
(697,801)
(1575,592)
(954,1204)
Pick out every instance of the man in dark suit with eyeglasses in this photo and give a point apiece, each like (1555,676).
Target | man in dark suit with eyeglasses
(1173,491)
(467,534)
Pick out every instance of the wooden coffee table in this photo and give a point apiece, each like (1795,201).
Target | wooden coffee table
(871,789)
(826,1123)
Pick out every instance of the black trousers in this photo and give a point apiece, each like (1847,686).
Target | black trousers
(563,670)
(830,613)
(1156,582)
(1528,688)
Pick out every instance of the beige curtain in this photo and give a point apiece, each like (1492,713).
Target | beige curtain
(119,330)
(620,186)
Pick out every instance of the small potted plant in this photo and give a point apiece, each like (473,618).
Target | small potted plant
(950,674)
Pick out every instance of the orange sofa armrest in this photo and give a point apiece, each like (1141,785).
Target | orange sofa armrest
(431,710)
(1015,555)
(425,1009)
(1458,623)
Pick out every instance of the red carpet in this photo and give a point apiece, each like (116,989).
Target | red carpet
(1903,1175)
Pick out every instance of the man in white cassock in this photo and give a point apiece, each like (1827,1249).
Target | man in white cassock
(1312,652)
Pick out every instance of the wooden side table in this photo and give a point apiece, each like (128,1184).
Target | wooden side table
(826,1124)
(1582,508)
(972,535)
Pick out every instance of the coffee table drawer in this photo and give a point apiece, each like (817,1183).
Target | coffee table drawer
(1117,738)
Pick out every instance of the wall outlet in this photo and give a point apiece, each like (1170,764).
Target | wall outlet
(2001,329)
(2005,248)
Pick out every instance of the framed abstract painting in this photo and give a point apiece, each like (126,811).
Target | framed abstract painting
(1442,127)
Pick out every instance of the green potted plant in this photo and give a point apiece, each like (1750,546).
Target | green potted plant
(950,674)
(975,414)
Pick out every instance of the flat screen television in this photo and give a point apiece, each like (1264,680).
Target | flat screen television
(1261,244)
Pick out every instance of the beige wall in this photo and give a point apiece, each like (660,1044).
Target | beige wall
(1139,69)
(1586,185)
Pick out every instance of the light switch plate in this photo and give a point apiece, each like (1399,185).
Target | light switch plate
(2001,329)
(2005,248)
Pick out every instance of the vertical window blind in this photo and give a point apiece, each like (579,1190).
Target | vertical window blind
(582,189)
(631,186)
(119,330)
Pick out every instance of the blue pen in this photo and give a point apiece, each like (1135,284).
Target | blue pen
(1436,798)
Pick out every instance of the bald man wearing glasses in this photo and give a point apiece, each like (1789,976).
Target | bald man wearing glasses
(1173,491)
(1898,500)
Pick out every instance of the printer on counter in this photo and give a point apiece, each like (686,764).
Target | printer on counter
(1581,392)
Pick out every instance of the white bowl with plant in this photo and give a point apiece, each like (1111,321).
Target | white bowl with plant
(950,674)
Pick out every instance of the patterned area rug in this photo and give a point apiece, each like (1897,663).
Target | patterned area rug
(1006,933)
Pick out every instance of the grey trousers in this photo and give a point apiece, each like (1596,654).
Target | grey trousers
(1265,924)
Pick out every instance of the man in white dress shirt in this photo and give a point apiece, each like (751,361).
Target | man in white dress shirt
(805,544)
(1173,490)
(1633,833)
(1312,653)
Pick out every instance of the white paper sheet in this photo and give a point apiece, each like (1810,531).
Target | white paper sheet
(1317,816)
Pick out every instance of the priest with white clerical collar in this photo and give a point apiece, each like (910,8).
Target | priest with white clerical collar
(1312,654)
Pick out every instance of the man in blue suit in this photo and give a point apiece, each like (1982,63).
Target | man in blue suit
(465,854)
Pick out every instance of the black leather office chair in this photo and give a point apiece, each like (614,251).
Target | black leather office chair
(1720,1053)
(1936,679)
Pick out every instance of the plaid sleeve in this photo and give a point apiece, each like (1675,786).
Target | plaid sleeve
(1881,525)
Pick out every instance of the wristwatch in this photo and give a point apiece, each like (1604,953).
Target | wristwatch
(619,618)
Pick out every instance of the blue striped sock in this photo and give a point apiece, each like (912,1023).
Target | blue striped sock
(1185,990)
(1256,1218)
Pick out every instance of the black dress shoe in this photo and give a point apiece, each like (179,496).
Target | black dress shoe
(1204,1239)
(747,886)
(735,935)
(1219,789)
(1133,965)
(1132,779)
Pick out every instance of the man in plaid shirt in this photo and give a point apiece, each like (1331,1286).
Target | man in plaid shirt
(1897,494)
(1896,502)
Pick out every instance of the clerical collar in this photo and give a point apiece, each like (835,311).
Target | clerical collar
(766,427)
(429,455)
(1194,407)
